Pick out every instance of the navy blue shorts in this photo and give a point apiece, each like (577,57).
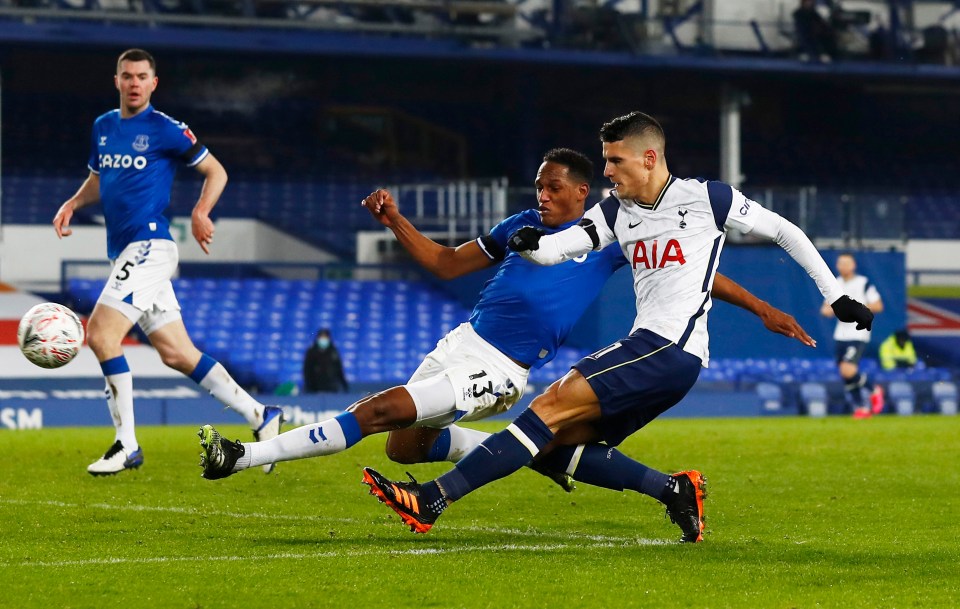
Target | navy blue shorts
(849,351)
(636,379)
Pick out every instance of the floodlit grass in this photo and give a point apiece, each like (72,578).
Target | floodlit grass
(801,513)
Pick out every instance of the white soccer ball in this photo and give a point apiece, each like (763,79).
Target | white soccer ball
(50,335)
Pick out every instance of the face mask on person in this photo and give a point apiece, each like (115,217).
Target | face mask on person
(323,342)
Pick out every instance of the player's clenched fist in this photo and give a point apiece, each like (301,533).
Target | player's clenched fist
(381,205)
(525,239)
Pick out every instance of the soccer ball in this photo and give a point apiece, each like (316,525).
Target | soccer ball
(50,335)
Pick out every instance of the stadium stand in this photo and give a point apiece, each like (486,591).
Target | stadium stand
(299,162)
(262,327)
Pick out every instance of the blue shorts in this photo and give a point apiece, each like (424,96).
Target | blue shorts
(636,379)
(850,351)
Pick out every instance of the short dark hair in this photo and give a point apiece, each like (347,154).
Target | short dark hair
(577,163)
(137,55)
(635,123)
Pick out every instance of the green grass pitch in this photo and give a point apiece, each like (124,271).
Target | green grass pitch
(800,513)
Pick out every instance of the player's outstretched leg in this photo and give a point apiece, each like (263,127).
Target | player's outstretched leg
(497,457)
(219,454)
(416,506)
(115,460)
(452,443)
(686,507)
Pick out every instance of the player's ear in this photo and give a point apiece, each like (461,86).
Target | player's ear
(583,190)
(650,157)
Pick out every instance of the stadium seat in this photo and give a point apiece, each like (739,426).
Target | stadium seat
(945,397)
(902,396)
(813,397)
(771,398)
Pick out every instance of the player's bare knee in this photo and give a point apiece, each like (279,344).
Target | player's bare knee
(384,411)
(102,344)
(177,360)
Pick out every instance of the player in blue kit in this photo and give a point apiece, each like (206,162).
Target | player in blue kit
(135,151)
(671,232)
(480,368)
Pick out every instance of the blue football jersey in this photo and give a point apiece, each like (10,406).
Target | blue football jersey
(526,310)
(136,159)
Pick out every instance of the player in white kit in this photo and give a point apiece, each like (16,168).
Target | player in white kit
(671,232)
(865,398)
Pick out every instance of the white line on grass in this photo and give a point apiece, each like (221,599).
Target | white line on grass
(557,547)
(309,518)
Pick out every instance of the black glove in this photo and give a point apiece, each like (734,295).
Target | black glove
(849,310)
(526,238)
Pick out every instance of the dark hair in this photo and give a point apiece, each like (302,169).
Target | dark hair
(579,166)
(137,55)
(635,123)
(848,254)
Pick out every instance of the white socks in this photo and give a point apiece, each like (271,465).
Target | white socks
(119,392)
(324,438)
(462,441)
(222,386)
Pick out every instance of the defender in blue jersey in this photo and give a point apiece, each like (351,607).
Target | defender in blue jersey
(480,368)
(135,151)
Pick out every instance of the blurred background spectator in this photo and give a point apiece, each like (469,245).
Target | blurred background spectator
(897,351)
(322,366)
(816,38)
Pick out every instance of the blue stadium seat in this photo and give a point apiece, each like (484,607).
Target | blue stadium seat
(945,397)
(771,398)
(813,398)
(901,395)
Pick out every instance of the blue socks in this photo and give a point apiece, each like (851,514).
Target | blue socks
(607,467)
(498,456)
(440,447)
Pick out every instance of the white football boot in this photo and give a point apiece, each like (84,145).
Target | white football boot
(115,460)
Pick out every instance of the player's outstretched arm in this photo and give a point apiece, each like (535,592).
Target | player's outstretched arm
(787,235)
(774,319)
(88,194)
(547,250)
(214,181)
(444,262)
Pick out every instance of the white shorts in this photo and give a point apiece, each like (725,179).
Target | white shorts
(485,381)
(139,284)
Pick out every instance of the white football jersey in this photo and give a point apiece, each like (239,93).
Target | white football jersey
(860,289)
(673,247)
